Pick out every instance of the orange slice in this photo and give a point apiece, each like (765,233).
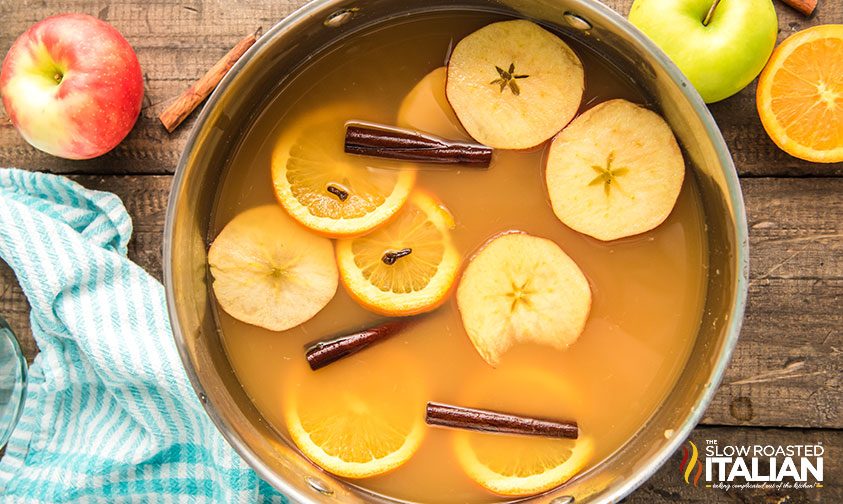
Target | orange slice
(330,192)
(800,94)
(352,422)
(405,267)
(523,465)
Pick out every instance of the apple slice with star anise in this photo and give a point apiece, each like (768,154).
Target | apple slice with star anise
(513,84)
(615,171)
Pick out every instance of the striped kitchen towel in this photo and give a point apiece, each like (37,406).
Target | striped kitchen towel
(110,415)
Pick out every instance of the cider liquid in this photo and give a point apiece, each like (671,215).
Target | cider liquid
(648,290)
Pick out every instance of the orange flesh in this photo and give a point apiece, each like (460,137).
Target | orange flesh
(648,290)
(800,94)
(821,125)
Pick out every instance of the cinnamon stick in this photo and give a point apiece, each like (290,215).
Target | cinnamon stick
(376,140)
(492,421)
(806,7)
(187,102)
(325,352)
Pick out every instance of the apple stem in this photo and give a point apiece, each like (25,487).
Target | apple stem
(710,12)
(57,77)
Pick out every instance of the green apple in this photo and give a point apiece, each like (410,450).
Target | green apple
(719,58)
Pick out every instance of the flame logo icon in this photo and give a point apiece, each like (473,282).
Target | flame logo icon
(690,461)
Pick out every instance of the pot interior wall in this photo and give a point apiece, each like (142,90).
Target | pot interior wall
(240,99)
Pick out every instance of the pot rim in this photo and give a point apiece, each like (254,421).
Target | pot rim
(612,493)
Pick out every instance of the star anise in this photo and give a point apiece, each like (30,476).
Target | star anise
(508,78)
(608,175)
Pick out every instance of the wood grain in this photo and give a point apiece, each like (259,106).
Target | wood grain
(177,42)
(178,110)
(786,368)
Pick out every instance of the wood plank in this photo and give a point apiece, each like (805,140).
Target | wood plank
(786,369)
(668,486)
(177,42)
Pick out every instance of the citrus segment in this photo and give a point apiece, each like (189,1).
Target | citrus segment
(408,265)
(352,422)
(523,465)
(327,190)
(270,272)
(800,95)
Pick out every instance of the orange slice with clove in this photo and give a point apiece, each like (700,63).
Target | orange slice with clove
(405,267)
(329,191)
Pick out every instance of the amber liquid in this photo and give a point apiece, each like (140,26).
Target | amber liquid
(648,290)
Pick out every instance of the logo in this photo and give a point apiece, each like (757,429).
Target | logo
(691,464)
(737,466)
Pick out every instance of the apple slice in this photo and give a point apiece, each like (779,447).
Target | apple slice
(514,85)
(426,108)
(269,271)
(522,288)
(615,171)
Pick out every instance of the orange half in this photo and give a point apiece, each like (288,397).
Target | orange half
(800,94)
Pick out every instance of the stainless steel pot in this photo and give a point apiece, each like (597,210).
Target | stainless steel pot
(239,98)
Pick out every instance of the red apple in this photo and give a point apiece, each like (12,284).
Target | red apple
(72,86)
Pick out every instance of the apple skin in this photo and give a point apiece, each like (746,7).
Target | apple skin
(719,59)
(72,86)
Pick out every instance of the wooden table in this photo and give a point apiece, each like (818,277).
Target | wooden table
(784,382)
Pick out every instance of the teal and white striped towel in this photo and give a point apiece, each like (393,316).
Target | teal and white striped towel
(110,415)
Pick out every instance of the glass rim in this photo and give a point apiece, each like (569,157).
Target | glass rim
(20,400)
